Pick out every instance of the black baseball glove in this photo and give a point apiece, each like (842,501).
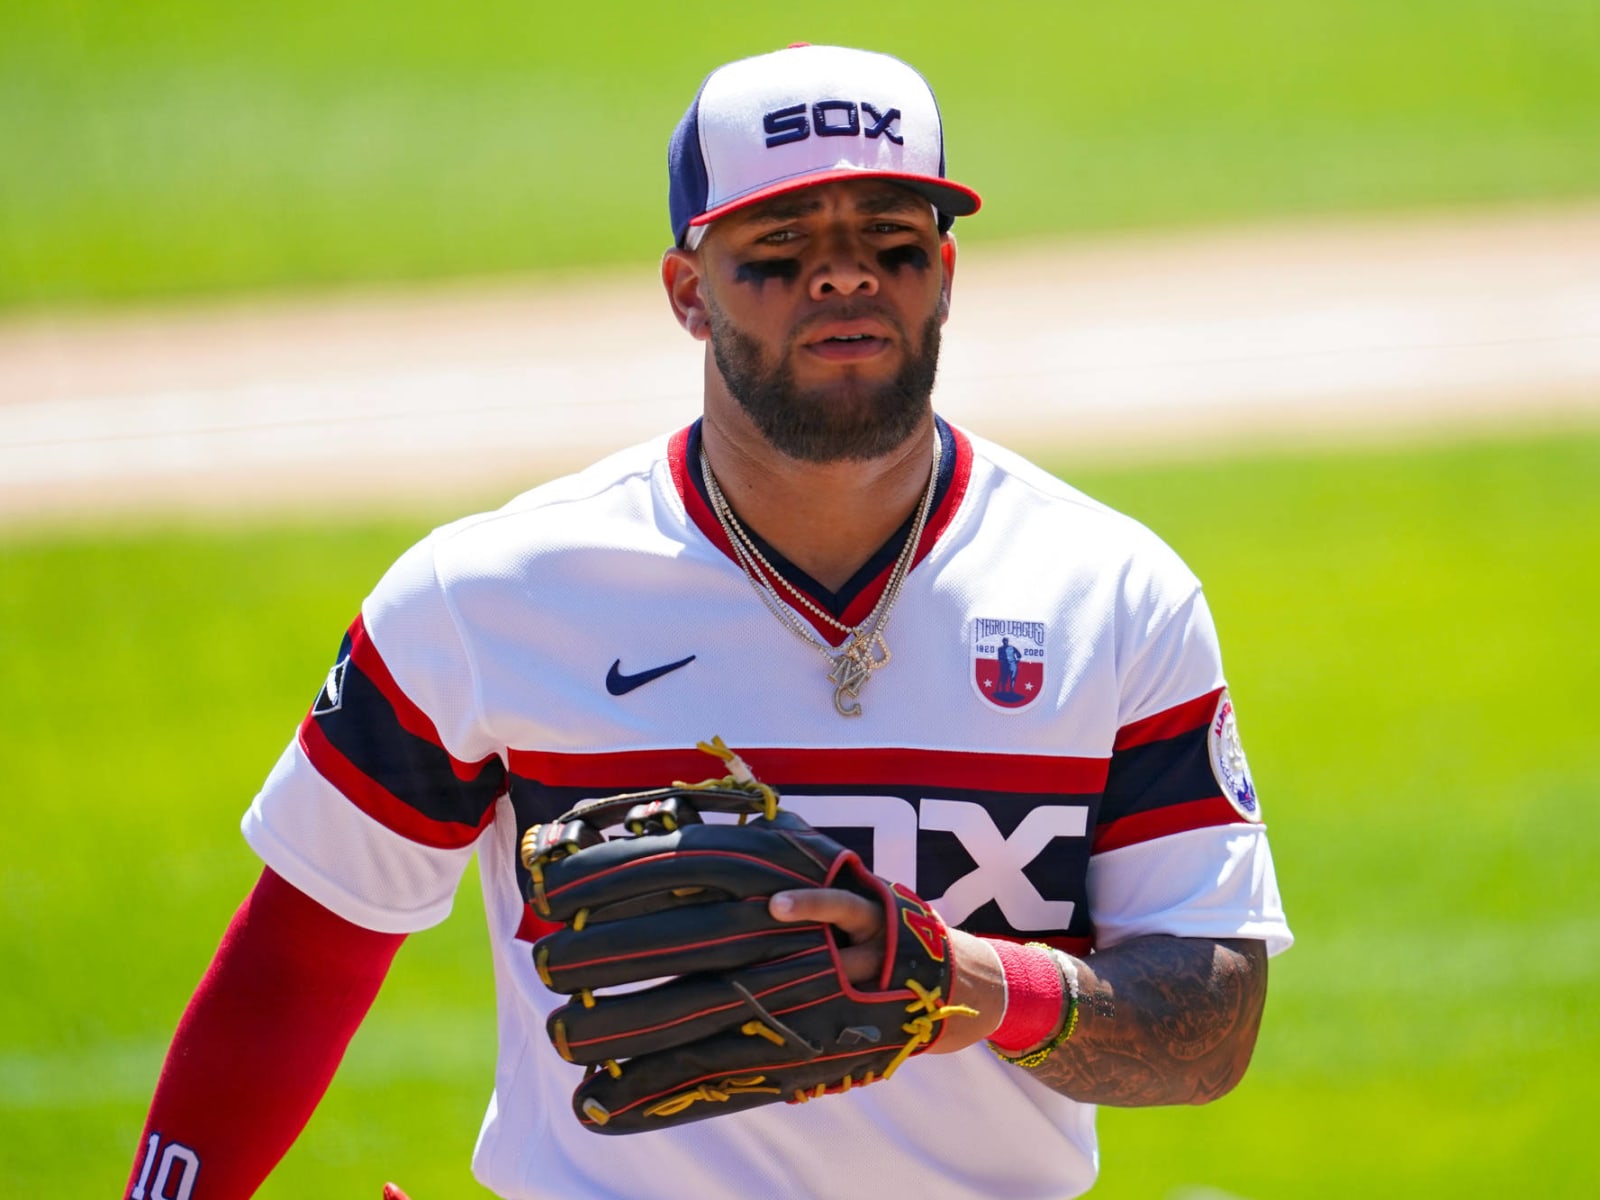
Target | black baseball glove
(750,1010)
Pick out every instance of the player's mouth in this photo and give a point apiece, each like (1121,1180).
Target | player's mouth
(854,341)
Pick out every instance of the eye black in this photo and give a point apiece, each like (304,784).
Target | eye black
(909,255)
(758,271)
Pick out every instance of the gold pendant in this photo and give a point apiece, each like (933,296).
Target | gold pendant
(848,675)
(851,670)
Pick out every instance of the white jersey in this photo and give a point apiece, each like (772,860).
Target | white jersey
(1050,756)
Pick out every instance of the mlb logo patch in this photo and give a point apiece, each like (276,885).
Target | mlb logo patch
(331,698)
(1008,661)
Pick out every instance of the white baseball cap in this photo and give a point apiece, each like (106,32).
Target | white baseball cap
(802,116)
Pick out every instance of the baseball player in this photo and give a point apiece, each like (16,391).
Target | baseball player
(1004,697)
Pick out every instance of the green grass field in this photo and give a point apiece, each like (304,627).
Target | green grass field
(173,147)
(1411,646)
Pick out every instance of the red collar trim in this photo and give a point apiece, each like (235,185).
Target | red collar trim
(857,611)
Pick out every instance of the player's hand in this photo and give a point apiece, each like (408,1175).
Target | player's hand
(860,921)
(977,981)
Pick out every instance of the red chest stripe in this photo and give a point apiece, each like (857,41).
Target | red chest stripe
(1031,774)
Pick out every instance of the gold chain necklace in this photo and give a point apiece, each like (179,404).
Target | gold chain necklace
(864,649)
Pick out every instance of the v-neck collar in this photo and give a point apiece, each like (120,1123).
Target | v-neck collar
(852,603)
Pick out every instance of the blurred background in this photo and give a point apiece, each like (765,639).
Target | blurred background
(1312,288)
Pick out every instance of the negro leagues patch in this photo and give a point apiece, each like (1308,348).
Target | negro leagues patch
(1228,761)
(1008,661)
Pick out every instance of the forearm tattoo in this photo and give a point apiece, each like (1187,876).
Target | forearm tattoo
(1162,1020)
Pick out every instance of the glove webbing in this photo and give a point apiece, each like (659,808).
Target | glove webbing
(921,1029)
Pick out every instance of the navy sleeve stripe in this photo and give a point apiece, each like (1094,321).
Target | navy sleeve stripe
(382,752)
(365,731)
(407,716)
(379,803)
(1159,775)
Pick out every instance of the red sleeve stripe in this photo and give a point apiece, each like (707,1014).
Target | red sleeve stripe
(1178,719)
(1028,774)
(1159,822)
(378,802)
(412,719)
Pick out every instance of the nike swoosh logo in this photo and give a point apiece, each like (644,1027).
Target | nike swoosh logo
(619,684)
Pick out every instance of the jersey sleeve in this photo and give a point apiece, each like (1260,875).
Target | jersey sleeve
(375,806)
(1179,845)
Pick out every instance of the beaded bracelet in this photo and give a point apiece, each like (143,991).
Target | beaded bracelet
(1069,972)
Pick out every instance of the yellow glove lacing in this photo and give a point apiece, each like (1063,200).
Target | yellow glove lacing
(736,1085)
(921,1029)
(739,777)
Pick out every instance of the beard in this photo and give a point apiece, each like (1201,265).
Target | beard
(848,421)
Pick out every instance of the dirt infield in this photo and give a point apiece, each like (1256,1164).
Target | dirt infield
(1114,346)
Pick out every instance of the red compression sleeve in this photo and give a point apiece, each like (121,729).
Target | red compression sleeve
(257,1045)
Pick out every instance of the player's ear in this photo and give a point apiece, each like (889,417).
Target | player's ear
(681,275)
(947,258)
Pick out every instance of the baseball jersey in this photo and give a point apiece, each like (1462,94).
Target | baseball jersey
(1050,755)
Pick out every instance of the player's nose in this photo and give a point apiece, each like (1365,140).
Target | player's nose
(843,267)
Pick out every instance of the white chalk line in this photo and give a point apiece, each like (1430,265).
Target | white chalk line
(1270,332)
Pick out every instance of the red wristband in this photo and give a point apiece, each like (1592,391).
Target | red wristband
(1033,996)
